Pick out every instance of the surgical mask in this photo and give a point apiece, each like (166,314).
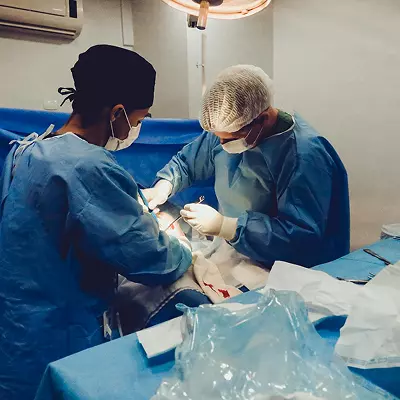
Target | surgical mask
(115,144)
(239,146)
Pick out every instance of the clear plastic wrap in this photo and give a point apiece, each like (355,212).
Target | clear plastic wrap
(390,231)
(269,350)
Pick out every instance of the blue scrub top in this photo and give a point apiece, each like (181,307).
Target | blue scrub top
(290,194)
(70,221)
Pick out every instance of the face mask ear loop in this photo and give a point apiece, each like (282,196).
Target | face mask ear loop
(259,134)
(112,130)
(245,138)
(256,139)
(127,120)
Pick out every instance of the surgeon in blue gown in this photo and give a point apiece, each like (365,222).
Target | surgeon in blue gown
(282,188)
(71,221)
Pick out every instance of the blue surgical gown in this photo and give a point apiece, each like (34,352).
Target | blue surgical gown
(290,194)
(70,221)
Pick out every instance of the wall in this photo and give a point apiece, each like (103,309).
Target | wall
(244,41)
(338,64)
(31,71)
(160,37)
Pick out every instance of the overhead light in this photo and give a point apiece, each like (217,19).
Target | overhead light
(203,14)
(218,9)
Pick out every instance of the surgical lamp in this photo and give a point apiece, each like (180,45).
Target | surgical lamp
(199,10)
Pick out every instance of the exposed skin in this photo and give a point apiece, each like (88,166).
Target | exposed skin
(165,220)
(100,132)
(256,131)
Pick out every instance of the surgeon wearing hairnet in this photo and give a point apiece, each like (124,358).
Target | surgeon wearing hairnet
(282,189)
(70,221)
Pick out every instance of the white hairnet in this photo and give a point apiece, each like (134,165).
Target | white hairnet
(238,96)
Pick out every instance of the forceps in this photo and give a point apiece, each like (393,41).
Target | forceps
(201,199)
(373,254)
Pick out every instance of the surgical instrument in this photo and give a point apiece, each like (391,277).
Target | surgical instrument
(355,281)
(373,254)
(201,199)
(145,202)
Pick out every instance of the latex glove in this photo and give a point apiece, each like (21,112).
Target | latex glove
(207,221)
(158,194)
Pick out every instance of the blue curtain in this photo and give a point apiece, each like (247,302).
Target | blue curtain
(159,140)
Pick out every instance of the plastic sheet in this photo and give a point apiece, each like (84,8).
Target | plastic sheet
(390,231)
(267,351)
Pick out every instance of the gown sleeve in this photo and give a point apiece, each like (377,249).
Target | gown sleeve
(195,162)
(300,223)
(111,227)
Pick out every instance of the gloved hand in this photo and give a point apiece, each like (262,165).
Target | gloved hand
(207,221)
(158,194)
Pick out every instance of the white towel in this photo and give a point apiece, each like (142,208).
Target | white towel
(235,268)
(210,279)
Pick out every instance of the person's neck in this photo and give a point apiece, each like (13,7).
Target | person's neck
(91,134)
(269,124)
